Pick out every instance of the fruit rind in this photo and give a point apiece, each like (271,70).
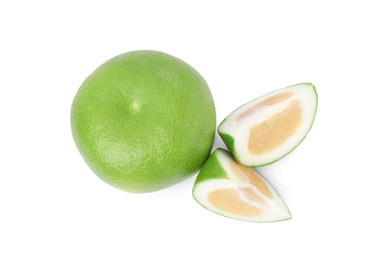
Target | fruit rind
(229,141)
(212,169)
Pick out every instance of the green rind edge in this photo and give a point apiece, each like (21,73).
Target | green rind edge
(244,220)
(228,140)
(212,169)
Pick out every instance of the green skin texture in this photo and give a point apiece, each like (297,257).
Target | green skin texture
(211,170)
(229,140)
(143,121)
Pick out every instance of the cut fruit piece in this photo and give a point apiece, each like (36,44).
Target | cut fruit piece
(270,127)
(235,191)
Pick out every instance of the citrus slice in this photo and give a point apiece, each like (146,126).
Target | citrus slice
(268,128)
(235,191)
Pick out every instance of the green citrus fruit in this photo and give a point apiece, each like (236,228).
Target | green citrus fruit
(268,128)
(143,121)
(235,191)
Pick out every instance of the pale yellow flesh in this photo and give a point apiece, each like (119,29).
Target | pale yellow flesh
(272,133)
(229,200)
(249,175)
(251,194)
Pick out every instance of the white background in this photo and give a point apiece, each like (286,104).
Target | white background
(336,183)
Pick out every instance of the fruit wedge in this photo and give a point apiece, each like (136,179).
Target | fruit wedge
(270,127)
(235,191)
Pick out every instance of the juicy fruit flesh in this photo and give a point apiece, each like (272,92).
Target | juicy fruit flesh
(269,135)
(248,175)
(253,188)
(229,200)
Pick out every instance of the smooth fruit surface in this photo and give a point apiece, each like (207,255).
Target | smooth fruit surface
(143,121)
(235,191)
(268,128)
